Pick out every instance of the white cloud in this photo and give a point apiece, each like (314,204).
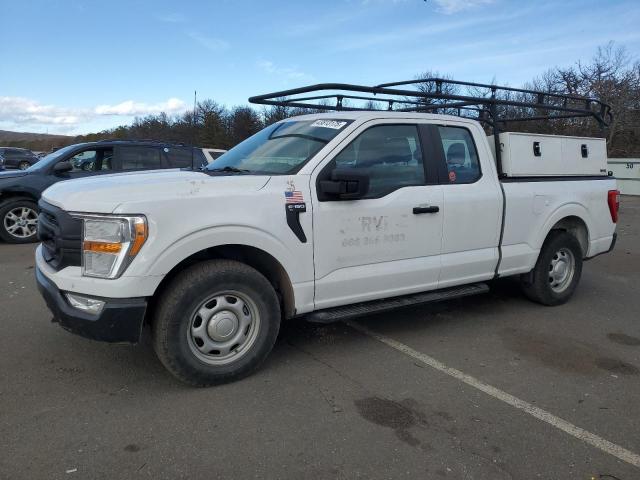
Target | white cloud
(26,113)
(129,107)
(290,73)
(453,6)
(22,110)
(213,44)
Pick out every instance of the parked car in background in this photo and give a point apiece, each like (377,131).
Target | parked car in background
(14,157)
(212,153)
(21,190)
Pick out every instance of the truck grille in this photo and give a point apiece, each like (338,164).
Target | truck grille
(61,236)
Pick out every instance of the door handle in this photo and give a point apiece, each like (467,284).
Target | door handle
(419,210)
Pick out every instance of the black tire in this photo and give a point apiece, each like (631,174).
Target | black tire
(542,284)
(24,165)
(177,313)
(7,211)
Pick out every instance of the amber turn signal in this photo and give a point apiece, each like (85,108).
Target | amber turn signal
(140,236)
(102,247)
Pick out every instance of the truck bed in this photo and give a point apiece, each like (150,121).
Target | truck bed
(533,206)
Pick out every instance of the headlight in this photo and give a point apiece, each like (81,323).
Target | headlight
(110,243)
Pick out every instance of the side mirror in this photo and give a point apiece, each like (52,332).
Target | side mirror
(62,167)
(345,184)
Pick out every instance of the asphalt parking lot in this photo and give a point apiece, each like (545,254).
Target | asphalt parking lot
(335,401)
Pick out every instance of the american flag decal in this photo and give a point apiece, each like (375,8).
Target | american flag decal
(293,197)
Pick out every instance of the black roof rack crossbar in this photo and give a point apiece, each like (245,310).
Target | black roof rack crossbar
(443,81)
(493,105)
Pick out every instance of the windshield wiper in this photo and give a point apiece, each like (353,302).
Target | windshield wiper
(228,169)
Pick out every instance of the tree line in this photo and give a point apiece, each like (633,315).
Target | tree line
(611,76)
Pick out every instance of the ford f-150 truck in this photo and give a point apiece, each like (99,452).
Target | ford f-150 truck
(327,216)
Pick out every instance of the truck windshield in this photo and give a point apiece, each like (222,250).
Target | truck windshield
(279,149)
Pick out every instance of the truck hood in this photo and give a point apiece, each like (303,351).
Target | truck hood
(105,193)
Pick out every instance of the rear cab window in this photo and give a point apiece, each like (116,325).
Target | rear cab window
(460,155)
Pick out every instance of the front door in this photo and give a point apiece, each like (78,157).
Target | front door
(387,243)
(89,162)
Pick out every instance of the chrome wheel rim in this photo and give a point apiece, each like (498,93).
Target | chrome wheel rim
(23,165)
(21,222)
(223,328)
(561,270)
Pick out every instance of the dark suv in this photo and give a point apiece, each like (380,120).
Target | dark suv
(13,157)
(20,190)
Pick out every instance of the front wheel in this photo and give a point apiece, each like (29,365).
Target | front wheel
(24,165)
(18,220)
(557,272)
(217,322)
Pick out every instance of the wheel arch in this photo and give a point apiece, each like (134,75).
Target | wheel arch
(264,262)
(576,227)
(572,218)
(14,194)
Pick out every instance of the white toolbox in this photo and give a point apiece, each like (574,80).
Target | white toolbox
(526,154)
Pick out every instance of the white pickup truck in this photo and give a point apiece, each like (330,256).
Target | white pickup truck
(326,216)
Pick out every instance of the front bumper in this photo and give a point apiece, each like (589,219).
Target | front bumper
(119,321)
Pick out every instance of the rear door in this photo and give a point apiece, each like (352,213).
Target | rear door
(389,242)
(472,205)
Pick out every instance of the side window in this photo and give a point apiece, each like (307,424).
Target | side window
(179,157)
(140,158)
(92,160)
(460,154)
(390,154)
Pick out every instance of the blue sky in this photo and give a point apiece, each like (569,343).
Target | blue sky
(80,66)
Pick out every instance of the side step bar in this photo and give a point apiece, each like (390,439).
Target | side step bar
(336,314)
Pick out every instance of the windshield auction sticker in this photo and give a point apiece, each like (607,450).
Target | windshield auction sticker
(336,125)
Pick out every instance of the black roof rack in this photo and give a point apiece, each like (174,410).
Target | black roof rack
(491,104)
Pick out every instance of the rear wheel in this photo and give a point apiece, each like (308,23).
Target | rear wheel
(18,220)
(557,272)
(24,165)
(217,322)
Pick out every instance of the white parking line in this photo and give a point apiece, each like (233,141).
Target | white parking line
(579,433)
